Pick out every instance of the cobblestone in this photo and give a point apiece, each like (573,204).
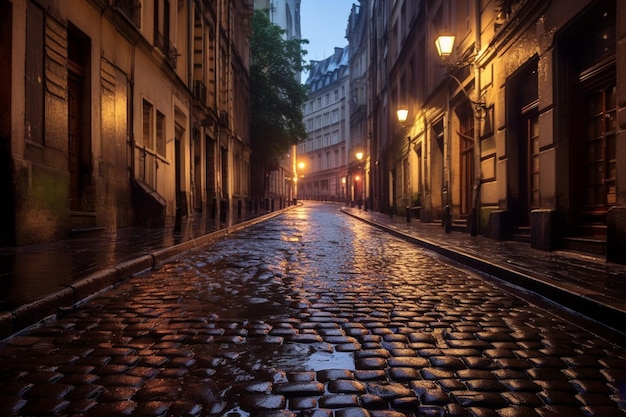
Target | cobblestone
(313,315)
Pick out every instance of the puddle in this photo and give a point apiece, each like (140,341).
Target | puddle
(316,357)
(320,361)
(236,412)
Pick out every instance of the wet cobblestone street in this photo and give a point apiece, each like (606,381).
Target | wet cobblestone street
(313,314)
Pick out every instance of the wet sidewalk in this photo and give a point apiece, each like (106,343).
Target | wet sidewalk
(585,284)
(43,280)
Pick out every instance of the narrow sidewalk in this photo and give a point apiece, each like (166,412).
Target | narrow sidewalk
(40,282)
(585,284)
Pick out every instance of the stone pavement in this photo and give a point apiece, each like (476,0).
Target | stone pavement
(39,281)
(313,314)
(585,284)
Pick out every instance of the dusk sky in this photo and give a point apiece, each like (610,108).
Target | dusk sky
(323,23)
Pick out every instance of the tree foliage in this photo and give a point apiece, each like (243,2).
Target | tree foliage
(277,96)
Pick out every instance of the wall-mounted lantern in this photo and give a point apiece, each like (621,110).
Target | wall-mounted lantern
(445,45)
(402,114)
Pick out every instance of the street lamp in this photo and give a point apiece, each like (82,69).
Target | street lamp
(403,114)
(445,46)
(359,157)
(300,167)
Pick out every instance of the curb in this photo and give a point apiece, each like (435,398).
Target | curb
(69,297)
(576,301)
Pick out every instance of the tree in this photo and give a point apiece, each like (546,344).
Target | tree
(276,97)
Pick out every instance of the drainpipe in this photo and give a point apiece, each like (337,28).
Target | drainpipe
(475,216)
(446,200)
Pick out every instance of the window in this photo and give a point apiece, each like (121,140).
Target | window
(131,9)
(147,122)
(162,39)
(160,133)
(600,149)
(533,162)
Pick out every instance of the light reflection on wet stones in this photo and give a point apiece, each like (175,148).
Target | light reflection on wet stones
(315,314)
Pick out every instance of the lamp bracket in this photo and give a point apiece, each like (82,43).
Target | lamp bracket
(479,106)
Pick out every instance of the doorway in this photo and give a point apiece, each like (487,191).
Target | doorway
(588,70)
(181,197)
(466,158)
(596,153)
(81,198)
(523,169)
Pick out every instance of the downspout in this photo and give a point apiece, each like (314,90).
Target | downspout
(475,220)
(190,40)
(130,118)
(447,174)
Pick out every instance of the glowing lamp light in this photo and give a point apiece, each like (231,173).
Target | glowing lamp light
(402,115)
(359,155)
(445,44)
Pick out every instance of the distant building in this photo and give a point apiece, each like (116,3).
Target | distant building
(283,13)
(121,112)
(322,158)
(358,157)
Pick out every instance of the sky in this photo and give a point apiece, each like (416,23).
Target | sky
(323,23)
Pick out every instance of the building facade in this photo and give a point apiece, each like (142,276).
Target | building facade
(519,133)
(359,163)
(121,112)
(322,159)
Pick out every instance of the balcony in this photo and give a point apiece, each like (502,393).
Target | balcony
(131,9)
(170,53)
